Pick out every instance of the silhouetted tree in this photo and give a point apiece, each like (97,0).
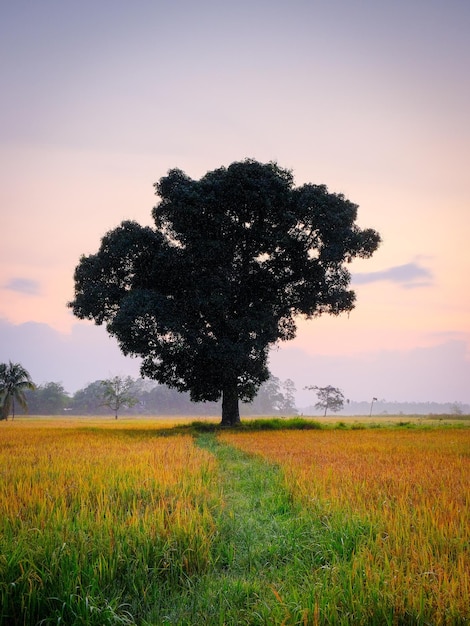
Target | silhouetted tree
(328,398)
(14,380)
(233,259)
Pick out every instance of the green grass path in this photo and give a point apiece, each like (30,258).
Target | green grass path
(256,526)
(265,550)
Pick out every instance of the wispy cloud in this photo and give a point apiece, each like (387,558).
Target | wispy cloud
(409,276)
(24,285)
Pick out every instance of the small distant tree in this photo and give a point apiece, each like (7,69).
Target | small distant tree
(288,389)
(328,398)
(14,380)
(456,408)
(274,396)
(118,392)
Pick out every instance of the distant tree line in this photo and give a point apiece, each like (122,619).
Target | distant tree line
(382,408)
(129,396)
(275,397)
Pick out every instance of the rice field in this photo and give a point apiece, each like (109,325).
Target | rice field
(409,490)
(93,519)
(131,522)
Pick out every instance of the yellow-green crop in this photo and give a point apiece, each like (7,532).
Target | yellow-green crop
(411,488)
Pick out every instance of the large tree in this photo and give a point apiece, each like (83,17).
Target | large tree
(233,259)
(14,380)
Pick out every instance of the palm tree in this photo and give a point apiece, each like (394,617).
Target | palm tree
(14,380)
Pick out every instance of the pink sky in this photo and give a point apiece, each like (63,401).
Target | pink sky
(101,99)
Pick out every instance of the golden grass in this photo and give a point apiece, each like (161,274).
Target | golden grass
(136,422)
(96,511)
(410,486)
(55,468)
(84,509)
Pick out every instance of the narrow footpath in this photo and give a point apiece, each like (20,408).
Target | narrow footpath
(264,544)
(257,525)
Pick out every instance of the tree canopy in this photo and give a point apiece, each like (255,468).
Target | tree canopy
(118,392)
(14,380)
(329,397)
(231,262)
(47,399)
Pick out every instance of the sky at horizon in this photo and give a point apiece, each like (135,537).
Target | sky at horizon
(100,100)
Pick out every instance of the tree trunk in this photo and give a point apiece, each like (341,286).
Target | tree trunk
(230,410)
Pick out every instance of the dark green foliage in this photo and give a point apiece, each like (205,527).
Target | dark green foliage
(252,425)
(233,259)
(14,381)
(88,400)
(48,399)
(294,423)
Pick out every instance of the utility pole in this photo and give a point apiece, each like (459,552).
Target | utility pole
(371,405)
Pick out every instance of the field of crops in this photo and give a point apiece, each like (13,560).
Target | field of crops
(130,522)
(94,519)
(408,490)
